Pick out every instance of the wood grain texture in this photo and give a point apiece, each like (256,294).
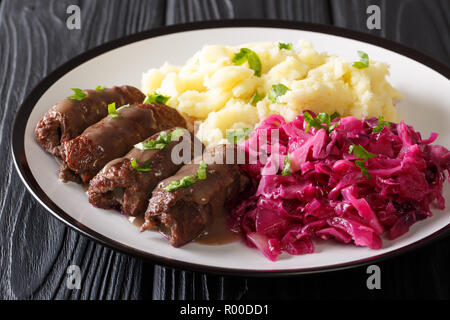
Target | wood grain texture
(36,249)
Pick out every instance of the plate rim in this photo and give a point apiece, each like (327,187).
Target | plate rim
(25,109)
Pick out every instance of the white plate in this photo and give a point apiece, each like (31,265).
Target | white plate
(425,106)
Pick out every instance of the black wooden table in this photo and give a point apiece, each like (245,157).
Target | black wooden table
(36,249)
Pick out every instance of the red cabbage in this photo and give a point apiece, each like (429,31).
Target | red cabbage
(327,195)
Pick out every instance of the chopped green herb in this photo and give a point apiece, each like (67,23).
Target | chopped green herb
(287,46)
(321,118)
(250,56)
(188,181)
(164,137)
(277,91)
(182,183)
(333,126)
(364,170)
(287,166)
(150,145)
(334,116)
(201,173)
(161,142)
(78,94)
(238,135)
(256,97)
(112,112)
(176,134)
(363,62)
(144,168)
(99,88)
(359,152)
(381,124)
(311,122)
(156,97)
(324,118)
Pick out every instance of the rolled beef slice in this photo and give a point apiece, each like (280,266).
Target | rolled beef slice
(112,138)
(69,118)
(185,213)
(119,185)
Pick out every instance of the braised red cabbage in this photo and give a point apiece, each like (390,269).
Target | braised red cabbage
(326,195)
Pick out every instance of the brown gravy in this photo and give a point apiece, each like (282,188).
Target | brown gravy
(137,221)
(217,233)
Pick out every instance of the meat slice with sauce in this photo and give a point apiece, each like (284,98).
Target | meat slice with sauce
(70,117)
(113,137)
(183,214)
(120,185)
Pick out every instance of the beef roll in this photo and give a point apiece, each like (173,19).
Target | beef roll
(127,183)
(70,117)
(183,205)
(113,137)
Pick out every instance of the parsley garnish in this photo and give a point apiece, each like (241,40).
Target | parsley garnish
(182,183)
(276,91)
(363,62)
(99,88)
(359,152)
(78,94)
(144,168)
(364,170)
(161,142)
(251,57)
(334,116)
(287,46)
(156,97)
(238,135)
(381,124)
(256,97)
(188,181)
(112,112)
(175,134)
(322,118)
(201,173)
(287,166)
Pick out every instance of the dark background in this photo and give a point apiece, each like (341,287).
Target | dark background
(36,249)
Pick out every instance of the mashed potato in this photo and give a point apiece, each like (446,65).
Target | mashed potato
(212,89)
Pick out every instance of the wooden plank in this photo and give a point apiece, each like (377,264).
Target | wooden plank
(298,10)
